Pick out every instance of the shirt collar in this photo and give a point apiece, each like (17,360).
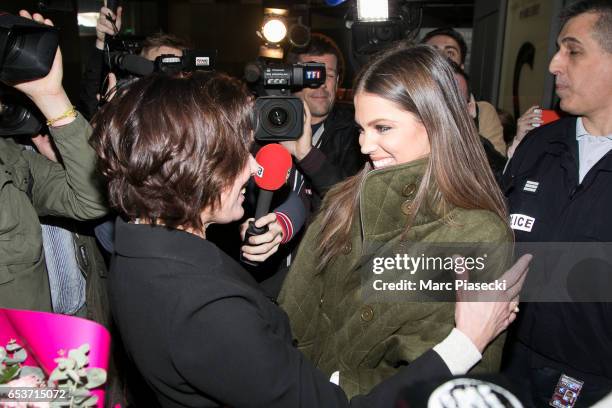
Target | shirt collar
(581,131)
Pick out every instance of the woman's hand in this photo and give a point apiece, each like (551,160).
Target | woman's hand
(483,321)
(301,147)
(47,93)
(261,247)
(531,119)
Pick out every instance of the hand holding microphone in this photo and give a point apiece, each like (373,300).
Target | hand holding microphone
(274,165)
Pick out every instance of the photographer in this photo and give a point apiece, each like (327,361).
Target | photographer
(109,23)
(330,153)
(33,186)
(327,152)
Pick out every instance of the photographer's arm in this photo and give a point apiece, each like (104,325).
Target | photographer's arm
(47,93)
(93,75)
(73,190)
(322,171)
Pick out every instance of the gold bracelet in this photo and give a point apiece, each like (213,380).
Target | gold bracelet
(70,113)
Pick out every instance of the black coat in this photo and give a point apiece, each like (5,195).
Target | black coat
(202,334)
(337,157)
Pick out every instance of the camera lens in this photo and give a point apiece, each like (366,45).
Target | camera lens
(277,117)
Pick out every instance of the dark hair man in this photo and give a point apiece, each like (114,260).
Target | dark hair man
(451,43)
(495,159)
(331,152)
(327,152)
(559,179)
(152,47)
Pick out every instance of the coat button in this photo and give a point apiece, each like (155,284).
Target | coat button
(321,302)
(409,190)
(367,313)
(347,248)
(407,207)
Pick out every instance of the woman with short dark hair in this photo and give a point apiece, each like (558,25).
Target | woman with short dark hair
(195,323)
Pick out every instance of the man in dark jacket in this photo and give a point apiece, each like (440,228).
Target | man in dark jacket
(558,188)
(327,153)
(109,23)
(495,159)
(331,152)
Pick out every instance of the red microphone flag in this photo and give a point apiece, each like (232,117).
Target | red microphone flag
(274,165)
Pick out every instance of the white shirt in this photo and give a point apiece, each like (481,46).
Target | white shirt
(590,149)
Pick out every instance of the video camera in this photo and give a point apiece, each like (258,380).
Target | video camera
(27,50)
(18,115)
(192,60)
(130,67)
(278,115)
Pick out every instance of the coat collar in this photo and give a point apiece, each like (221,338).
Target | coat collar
(386,198)
(155,241)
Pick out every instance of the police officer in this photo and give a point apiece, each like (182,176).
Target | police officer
(559,187)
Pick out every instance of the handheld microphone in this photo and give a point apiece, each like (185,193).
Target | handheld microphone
(274,166)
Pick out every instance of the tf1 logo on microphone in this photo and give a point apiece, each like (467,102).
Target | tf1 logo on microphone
(260,172)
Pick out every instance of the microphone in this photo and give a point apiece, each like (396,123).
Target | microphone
(274,166)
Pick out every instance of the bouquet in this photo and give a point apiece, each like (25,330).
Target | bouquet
(51,361)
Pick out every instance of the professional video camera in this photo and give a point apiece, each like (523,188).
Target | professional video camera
(18,115)
(280,116)
(130,44)
(192,60)
(27,50)
(130,67)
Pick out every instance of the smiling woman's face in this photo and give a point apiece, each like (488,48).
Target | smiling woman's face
(389,135)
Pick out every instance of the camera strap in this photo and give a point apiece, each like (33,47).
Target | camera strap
(298,181)
(316,138)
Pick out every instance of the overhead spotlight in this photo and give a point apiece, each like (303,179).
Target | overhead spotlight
(372,10)
(273,32)
(274,27)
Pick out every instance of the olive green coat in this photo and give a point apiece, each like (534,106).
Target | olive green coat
(338,327)
(33,186)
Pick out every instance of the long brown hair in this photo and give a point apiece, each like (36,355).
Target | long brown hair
(419,80)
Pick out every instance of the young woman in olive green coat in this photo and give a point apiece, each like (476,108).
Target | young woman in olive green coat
(426,187)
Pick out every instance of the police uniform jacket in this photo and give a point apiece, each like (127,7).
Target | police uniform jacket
(548,204)
(337,328)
